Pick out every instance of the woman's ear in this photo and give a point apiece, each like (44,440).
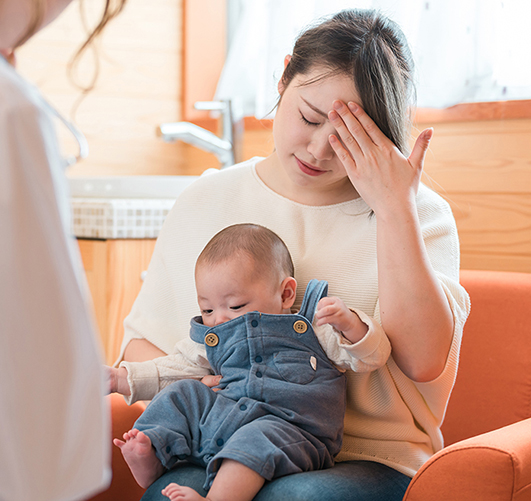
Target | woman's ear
(289,292)
(287,59)
(281,88)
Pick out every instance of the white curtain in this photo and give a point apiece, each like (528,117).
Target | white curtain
(464,50)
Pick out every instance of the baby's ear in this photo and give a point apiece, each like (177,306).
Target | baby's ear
(289,291)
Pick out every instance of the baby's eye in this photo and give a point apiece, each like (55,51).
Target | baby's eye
(206,312)
(240,306)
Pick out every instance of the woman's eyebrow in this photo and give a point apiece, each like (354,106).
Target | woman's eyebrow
(317,110)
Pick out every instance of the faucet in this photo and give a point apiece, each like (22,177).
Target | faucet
(226,147)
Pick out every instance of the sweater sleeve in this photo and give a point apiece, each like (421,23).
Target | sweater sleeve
(369,353)
(187,361)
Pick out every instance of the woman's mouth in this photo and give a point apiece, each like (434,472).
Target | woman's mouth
(308,169)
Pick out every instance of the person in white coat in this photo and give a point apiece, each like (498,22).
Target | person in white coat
(54,425)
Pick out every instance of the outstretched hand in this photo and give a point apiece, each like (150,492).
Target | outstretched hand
(381,174)
(117,378)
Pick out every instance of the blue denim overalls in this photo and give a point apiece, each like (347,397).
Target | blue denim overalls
(281,406)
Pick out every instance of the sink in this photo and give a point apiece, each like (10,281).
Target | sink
(106,207)
(150,187)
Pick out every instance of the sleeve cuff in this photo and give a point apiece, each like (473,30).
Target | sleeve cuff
(143,379)
(368,344)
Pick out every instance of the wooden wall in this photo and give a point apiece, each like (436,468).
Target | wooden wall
(139,87)
(483,169)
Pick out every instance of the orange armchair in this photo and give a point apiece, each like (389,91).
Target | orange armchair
(487,427)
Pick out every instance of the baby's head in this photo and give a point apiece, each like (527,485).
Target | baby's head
(244,267)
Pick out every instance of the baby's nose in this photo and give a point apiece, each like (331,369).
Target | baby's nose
(221,318)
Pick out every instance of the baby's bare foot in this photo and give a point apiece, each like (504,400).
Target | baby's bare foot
(140,457)
(177,492)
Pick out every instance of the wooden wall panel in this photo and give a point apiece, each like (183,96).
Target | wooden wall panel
(486,157)
(94,257)
(140,84)
(483,169)
(113,269)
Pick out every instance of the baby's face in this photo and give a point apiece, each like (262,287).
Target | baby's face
(231,288)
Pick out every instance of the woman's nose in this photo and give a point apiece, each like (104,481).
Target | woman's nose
(319,146)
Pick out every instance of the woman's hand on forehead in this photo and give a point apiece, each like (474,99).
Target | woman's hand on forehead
(381,174)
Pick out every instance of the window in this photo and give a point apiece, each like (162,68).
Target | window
(466,51)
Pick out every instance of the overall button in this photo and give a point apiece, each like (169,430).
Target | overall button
(258,359)
(219,441)
(300,327)
(254,323)
(168,449)
(243,407)
(258,374)
(211,339)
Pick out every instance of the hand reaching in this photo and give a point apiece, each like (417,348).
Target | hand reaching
(331,310)
(118,380)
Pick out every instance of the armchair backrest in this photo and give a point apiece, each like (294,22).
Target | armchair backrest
(493,386)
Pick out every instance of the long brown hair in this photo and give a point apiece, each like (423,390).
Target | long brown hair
(373,51)
(111,10)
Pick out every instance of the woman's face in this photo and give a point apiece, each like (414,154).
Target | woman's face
(301,130)
(16,16)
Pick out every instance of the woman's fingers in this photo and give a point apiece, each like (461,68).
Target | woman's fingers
(344,123)
(368,129)
(355,127)
(418,154)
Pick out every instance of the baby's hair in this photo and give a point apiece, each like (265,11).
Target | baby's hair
(267,250)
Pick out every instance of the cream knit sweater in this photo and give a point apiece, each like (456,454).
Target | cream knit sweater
(390,419)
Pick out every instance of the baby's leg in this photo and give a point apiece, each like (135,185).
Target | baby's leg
(233,482)
(140,457)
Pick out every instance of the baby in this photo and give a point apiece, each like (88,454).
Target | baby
(280,405)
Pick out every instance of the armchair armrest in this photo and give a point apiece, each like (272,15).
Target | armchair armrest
(493,466)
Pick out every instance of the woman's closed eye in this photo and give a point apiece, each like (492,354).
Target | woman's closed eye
(307,122)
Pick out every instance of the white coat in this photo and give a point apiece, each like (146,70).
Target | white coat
(54,424)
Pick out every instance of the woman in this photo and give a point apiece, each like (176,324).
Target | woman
(345,195)
(54,433)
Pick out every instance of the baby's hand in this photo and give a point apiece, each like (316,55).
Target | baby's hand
(118,380)
(333,311)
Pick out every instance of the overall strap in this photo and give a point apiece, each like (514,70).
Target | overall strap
(315,290)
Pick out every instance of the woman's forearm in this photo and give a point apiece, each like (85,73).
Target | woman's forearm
(140,350)
(414,309)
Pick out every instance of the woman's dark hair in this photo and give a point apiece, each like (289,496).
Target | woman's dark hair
(373,51)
